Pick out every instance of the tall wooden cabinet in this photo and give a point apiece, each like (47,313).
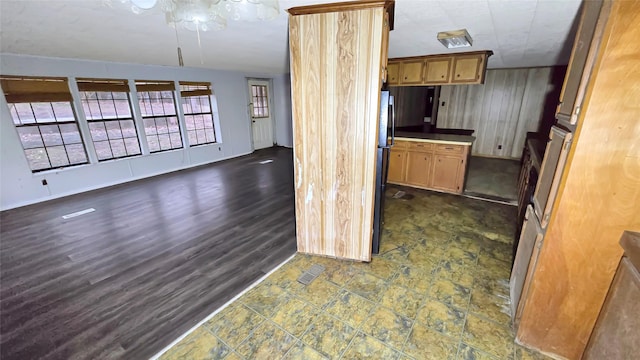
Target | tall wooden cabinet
(338,61)
(597,196)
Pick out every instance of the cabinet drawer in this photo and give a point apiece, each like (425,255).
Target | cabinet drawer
(449,149)
(399,144)
(420,146)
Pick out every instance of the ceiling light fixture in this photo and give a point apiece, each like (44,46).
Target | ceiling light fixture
(455,39)
(203,15)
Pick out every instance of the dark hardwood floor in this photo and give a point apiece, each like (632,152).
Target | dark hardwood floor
(156,257)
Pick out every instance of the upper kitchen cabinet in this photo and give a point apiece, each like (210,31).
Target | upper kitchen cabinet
(469,69)
(393,73)
(438,69)
(338,61)
(583,55)
(449,69)
(412,72)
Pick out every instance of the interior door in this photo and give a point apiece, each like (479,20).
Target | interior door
(261,114)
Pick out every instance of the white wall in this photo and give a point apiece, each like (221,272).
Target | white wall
(19,186)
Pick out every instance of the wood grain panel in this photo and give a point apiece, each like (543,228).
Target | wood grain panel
(410,104)
(502,111)
(599,198)
(336,79)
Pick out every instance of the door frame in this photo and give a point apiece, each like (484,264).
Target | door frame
(271,108)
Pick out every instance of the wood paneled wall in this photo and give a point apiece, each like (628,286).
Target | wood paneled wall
(509,104)
(336,61)
(599,198)
(410,104)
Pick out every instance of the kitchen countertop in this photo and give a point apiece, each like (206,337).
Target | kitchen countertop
(436,138)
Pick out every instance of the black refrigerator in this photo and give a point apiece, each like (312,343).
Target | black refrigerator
(385,131)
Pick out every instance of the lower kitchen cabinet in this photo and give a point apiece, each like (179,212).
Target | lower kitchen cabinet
(397,165)
(448,173)
(429,165)
(419,165)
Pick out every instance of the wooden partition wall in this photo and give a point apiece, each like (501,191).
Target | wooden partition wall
(598,199)
(337,54)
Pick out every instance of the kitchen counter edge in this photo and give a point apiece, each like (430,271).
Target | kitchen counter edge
(436,138)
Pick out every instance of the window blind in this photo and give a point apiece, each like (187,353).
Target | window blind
(143,85)
(107,85)
(26,89)
(194,88)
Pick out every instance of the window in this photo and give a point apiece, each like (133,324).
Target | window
(196,105)
(260,102)
(46,123)
(158,109)
(108,112)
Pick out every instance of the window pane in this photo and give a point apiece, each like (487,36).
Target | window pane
(25,113)
(176,140)
(172,122)
(210,135)
(189,122)
(70,134)
(154,144)
(108,109)
(204,104)
(165,141)
(128,129)
(161,125)
(201,136)
(51,136)
(199,121)
(193,140)
(117,147)
(208,121)
(14,113)
(43,112)
(132,146)
(103,150)
(119,95)
(76,153)
(122,108)
(94,108)
(63,111)
(150,127)
(37,158)
(57,156)
(30,137)
(186,106)
(113,129)
(98,131)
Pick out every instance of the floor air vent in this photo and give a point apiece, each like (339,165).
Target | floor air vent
(308,276)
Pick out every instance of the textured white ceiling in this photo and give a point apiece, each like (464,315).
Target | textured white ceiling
(522,33)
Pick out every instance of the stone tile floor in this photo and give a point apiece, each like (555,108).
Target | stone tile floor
(438,290)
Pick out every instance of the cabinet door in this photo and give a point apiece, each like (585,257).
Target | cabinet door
(555,157)
(466,69)
(393,73)
(412,72)
(419,168)
(524,262)
(437,71)
(447,172)
(397,166)
(580,63)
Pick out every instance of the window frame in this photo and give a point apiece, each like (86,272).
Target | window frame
(89,85)
(44,90)
(200,90)
(151,86)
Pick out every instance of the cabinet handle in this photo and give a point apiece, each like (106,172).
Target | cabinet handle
(458,75)
(448,148)
(405,78)
(442,76)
